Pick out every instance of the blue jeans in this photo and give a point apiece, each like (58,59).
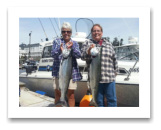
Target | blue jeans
(107,89)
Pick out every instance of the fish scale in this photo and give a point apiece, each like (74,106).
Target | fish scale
(95,76)
(65,72)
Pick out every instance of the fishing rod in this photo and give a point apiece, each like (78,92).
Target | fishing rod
(44,30)
(128,27)
(56,24)
(53,27)
(59,27)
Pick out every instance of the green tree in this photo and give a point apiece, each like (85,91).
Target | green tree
(115,42)
(121,42)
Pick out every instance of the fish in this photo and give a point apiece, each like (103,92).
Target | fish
(95,73)
(65,74)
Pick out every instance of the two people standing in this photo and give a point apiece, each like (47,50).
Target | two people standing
(109,66)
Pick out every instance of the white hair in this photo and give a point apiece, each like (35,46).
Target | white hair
(66,25)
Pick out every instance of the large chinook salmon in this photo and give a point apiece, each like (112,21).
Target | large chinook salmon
(65,74)
(95,73)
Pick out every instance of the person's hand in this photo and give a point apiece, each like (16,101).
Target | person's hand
(115,74)
(69,45)
(61,47)
(91,46)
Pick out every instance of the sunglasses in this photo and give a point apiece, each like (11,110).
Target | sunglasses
(66,31)
(94,31)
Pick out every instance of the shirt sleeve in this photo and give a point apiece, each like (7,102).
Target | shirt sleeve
(115,63)
(84,54)
(56,51)
(76,50)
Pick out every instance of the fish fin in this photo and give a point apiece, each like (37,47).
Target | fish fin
(62,103)
(92,103)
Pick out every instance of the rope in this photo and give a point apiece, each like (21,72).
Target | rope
(53,27)
(56,24)
(43,28)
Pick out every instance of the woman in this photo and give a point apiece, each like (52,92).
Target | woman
(109,67)
(58,46)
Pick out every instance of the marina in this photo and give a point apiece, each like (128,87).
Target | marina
(41,79)
(127,80)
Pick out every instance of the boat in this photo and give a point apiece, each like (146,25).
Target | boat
(127,80)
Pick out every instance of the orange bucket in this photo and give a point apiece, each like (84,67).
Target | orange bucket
(86,100)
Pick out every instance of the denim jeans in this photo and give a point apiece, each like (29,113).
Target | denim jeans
(107,89)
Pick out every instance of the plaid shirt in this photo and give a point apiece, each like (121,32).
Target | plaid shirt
(56,54)
(109,65)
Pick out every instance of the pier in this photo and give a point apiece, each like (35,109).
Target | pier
(29,98)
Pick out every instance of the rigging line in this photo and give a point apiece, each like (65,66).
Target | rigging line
(43,28)
(53,27)
(56,24)
(128,27)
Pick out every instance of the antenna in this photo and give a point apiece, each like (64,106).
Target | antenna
(128,27)
(53,27)
(59,26)
(44,30)
(56,23)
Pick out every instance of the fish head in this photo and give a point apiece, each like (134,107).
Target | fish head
(94,51)
(66,53)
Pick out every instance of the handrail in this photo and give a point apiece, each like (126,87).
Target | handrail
(127,79)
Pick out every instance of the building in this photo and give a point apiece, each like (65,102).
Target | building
(22,46)
(35,51)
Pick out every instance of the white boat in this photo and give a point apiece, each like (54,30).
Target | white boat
(127,81)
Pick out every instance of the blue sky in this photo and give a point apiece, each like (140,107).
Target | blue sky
(112,27)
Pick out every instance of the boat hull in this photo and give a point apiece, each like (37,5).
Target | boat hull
(127,94)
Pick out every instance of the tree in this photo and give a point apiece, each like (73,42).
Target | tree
(121,42)
(115,42)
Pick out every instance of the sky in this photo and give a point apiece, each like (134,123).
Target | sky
(121,28)
(136,17)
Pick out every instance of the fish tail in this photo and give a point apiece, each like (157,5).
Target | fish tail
(93,103)
(62,103)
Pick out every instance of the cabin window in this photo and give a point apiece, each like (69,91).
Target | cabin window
(122,71)
(127,53)
(81,68)
(47,52)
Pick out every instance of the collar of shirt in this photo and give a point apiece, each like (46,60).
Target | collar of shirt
(104,42)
